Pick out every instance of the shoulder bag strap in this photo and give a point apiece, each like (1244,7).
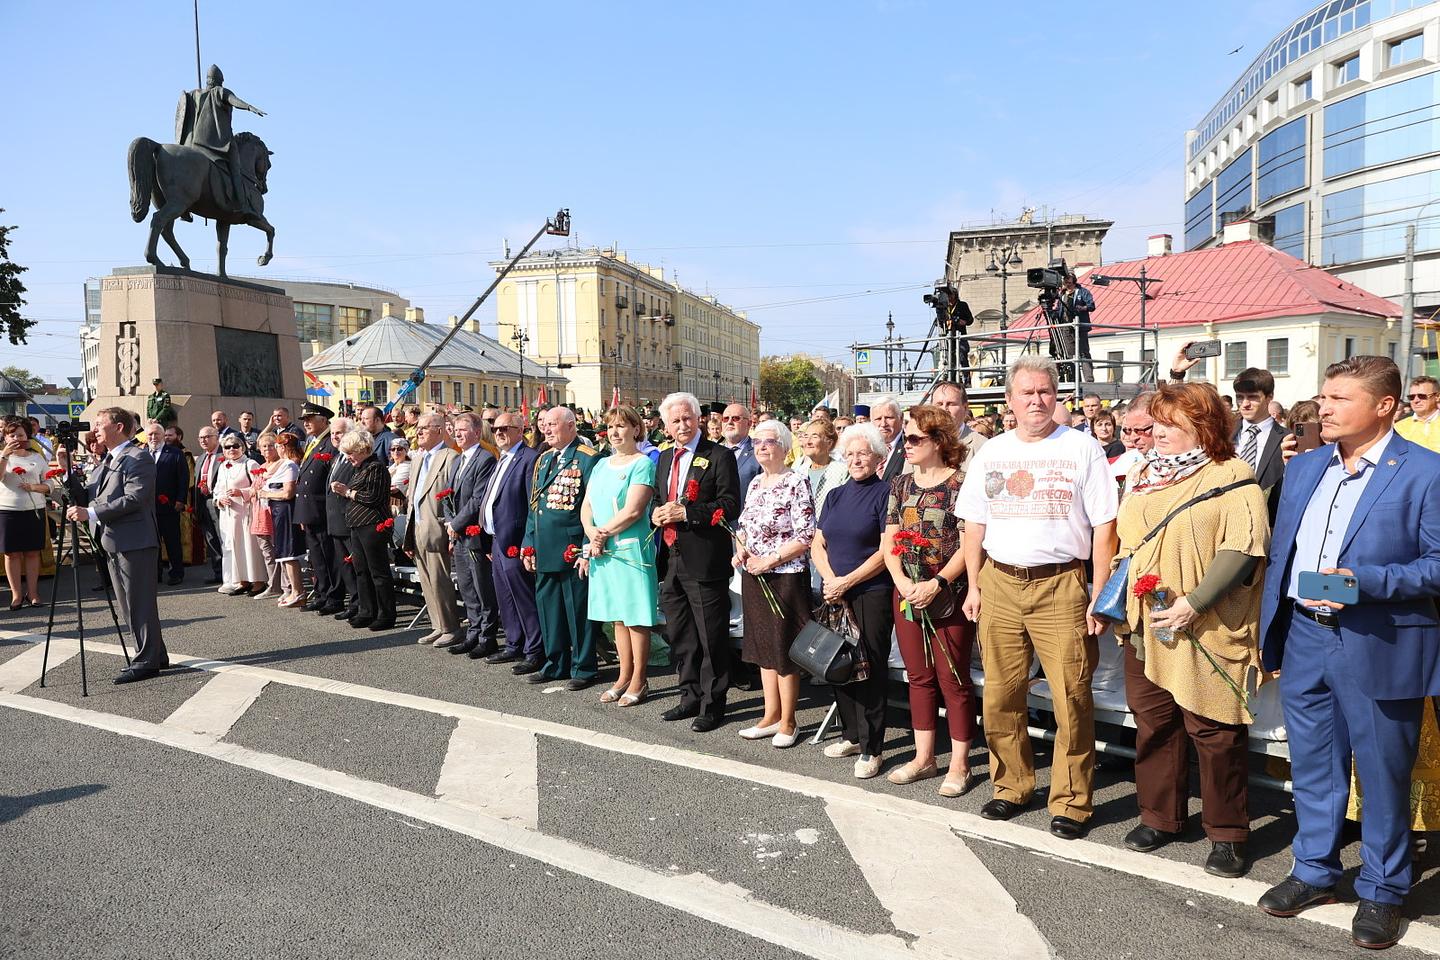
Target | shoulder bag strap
(1208,495)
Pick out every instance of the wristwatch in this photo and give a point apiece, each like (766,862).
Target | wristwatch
(944,584)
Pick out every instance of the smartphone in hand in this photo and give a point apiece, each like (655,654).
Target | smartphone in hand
(1307,437)
(1329,586)
(1201,349)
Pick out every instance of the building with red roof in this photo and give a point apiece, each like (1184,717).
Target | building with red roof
(1267,309)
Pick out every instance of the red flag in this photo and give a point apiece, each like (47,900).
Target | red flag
(543,398)
(754,401)
(615,396)
(525,410)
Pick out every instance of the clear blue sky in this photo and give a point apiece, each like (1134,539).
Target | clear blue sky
(786,156)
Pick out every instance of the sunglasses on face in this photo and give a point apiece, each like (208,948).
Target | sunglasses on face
(1420,396)
(1137,431)
(915,439)
(231,446)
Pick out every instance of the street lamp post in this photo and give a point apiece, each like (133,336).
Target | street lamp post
(716,374)
(1009,256)
(520,338)
(1407,318)
(1143,282)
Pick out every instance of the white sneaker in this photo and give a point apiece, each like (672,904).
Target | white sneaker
(867,766)
(842,748)
(267,594)
(783,740)
(760,733)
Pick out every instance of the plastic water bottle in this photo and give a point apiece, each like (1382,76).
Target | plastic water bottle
(1162,601)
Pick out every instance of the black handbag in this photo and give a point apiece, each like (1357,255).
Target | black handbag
(827,646)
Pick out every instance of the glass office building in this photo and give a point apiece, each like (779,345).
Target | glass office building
(1329,142)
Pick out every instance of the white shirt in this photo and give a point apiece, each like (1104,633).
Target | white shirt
(507,457)
(1040,501)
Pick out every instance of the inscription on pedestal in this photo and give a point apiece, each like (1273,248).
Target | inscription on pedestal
(249,363)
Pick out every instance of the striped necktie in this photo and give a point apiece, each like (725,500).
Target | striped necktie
(1249,452)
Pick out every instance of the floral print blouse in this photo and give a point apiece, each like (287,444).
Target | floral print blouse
(777,515)
(930,512)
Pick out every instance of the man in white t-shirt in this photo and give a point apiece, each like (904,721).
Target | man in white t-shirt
(1037,503)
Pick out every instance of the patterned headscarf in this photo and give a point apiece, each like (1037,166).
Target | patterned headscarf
(1161,470)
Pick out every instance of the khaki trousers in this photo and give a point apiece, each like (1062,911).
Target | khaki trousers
(1044,618)
(433,567)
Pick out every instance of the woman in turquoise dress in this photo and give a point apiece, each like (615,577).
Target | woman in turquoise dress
(619,556)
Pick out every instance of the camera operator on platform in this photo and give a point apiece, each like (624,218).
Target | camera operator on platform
(1078,304)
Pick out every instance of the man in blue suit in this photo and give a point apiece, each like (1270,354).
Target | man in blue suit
(504,508)
(172,492)
(471,475)
(1353,679)
(735,425)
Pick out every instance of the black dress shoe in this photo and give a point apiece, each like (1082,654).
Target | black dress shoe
(1144,839)
(327,611)
(132,674)
(481,652)
(706,722)
(538,677)
(347,614)
(456,640)
(1226,860)
(576,684)
(526,666)
(502,656)
(360,623)
(378,625)
(1067,828)
(681,712)
(998,809)
(458,648)
(1291,895)
(1376,925)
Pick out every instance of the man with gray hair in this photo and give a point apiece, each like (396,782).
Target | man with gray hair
(695,478)
(889,419)
(336,527)
(1037,503)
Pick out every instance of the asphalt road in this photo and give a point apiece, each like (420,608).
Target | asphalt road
(330,820)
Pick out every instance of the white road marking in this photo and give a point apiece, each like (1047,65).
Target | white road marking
(213,710)
(23,669)
(907,885)
(492,769)
(1418,935)
(694,894)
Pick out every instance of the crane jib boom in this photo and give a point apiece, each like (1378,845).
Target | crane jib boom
(558,226)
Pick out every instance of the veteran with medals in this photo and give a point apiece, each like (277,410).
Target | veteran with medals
(554,539)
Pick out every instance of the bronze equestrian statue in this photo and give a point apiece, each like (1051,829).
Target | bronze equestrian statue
(209,171)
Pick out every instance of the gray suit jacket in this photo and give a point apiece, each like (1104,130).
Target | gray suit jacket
(122,495)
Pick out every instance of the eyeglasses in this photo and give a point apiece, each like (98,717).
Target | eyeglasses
(500,429)
(915,439)
(1420,396)
(733,419)
(1138,431)
(230,446)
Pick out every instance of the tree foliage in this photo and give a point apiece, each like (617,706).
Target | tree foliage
(28,381)
(11,322)
(789,384)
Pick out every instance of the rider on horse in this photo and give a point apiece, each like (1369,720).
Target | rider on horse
(203,121)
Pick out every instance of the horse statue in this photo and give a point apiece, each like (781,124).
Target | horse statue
(183,180)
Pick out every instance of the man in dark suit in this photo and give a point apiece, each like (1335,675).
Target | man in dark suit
(468,479)
(221,423)
(172,492)
(1354,678)
(735,424)
(886,415)
(311,492)
(1258,437)
(207,515)
(122,504)
(568,635)
(504,508)
(341,471)
(696,477)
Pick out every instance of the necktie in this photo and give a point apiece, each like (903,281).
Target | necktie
(204,473)
(418,486)
(1252,445)
(309,447)
(670,532)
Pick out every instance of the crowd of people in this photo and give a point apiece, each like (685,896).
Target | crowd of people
(1031,531)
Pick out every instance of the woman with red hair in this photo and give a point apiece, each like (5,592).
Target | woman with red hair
(1191,624)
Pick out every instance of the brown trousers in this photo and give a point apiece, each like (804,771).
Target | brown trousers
(1163,731)
(1044,618)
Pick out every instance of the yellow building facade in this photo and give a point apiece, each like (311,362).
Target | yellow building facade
(605,323)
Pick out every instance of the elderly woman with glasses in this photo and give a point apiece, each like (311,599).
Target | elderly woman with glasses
(368,515)
(777,524)
(922,549)
(846,551)
(242,564)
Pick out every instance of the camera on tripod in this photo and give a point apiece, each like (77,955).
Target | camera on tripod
(1048,278)
(951,313)
(67,433)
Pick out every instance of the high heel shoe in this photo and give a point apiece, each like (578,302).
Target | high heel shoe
(630,699)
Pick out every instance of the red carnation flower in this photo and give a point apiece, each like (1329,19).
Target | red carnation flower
(572,553)
(389,523)
(692,490)
(162,500)
(189,509)
(324,457)
(53,474)
(444,493)
(527,551)
(18,471)
(717,518)
(379,528)
(347,558)
(473,530)
(1146,584)
(898,551)
(512,552)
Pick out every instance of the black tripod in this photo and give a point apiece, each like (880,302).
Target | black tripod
(73,491)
